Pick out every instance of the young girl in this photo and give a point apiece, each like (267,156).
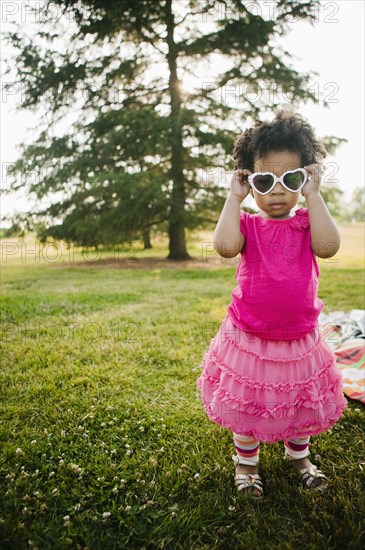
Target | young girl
(268,375)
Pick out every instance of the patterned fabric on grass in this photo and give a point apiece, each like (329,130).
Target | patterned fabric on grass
(344,333)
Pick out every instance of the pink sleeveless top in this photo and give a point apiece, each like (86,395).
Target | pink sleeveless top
(276,296)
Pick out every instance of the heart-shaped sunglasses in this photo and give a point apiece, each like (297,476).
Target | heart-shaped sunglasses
(292,180)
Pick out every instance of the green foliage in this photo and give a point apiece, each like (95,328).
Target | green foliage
(332,196)
(138,156)
(357,204)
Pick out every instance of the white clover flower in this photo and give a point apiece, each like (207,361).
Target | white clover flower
(33,442)
(128,507)
(19,451)
(197,476)
(75,468)
(106,515)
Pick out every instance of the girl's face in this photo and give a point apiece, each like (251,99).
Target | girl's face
(277,162)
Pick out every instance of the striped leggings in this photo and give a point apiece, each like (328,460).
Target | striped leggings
(248,448)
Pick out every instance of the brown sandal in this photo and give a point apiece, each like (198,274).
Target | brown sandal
(309,475)
(244,481)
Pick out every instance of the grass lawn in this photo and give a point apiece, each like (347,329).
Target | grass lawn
(104,440)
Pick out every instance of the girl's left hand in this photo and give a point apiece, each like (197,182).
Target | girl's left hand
(312,185)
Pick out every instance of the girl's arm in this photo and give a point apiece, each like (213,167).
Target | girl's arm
(325,236)
(228,240)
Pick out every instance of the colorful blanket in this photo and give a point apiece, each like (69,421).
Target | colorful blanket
(344,333)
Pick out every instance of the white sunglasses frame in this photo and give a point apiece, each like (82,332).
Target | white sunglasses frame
(281,180)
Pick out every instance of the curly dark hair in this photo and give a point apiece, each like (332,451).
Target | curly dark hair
(287,131)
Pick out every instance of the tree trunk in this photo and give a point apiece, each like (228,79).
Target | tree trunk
(146,239)
(177,245)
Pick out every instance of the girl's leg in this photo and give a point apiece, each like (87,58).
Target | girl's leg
(297,448)
(247,448)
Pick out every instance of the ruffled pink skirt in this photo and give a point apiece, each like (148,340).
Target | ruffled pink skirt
(270,390)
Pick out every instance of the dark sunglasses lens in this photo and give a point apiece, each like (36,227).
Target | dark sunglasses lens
(294,180)
(263,183)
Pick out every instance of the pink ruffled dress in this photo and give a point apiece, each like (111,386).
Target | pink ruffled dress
(268,373)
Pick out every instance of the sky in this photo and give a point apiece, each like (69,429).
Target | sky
(333,47)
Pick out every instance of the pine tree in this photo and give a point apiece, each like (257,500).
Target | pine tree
(143,153)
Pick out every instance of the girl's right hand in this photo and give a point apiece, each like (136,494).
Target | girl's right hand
(240,187)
